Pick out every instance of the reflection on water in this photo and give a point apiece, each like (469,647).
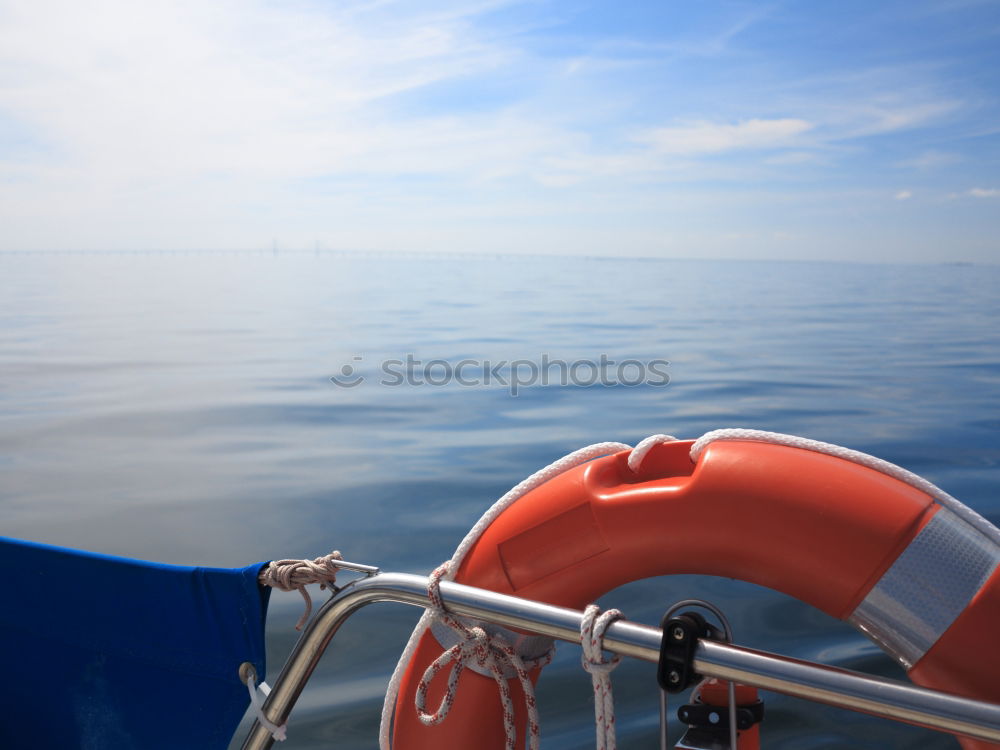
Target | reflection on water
(179,408)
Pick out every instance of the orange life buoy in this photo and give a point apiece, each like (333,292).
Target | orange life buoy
(852,541)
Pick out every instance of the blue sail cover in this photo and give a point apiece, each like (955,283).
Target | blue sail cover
(106,653)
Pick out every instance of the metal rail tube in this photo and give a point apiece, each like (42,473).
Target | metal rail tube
(829,685)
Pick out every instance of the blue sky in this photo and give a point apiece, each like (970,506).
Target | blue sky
(847,130)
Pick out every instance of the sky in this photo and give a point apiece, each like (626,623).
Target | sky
(787,130)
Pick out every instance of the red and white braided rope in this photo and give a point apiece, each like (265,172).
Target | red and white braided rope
(592,629)
(489,652)
(539,477)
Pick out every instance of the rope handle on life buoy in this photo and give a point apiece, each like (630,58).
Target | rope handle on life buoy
(560,466)
(634,461)
(430,615)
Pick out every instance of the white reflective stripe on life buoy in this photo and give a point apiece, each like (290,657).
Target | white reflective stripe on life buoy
(927,587)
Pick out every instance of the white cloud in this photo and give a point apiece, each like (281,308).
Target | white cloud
(929,160)
(791,158)
(702,138)
(184,123)
(984,193)
(180,97)
(904,195)
(862,101)
(123,91)
(889,117)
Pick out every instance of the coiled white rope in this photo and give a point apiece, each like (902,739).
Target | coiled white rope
(295,575)
(538,478)
(592,629)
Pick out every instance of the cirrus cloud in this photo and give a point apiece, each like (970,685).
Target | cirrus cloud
(700,138)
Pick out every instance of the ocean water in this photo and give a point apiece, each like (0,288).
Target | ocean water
(180,408)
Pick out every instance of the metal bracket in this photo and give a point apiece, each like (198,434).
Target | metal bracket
(675,670)
(681,633)
(701,715)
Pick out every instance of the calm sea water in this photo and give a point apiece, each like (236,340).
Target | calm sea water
(180,408)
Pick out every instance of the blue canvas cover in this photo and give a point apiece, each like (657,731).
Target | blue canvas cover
(106,653)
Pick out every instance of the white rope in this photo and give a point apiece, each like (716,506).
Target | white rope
(473,642)
(539,477)
(956,506)
(292,575)
(489,652)
(638,453)
(592,629)
(257,703)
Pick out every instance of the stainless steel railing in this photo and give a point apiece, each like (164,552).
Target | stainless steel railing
(815,682)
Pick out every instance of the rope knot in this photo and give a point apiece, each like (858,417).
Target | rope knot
(592,628)
(295,575)
(491,653)
(478,646)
